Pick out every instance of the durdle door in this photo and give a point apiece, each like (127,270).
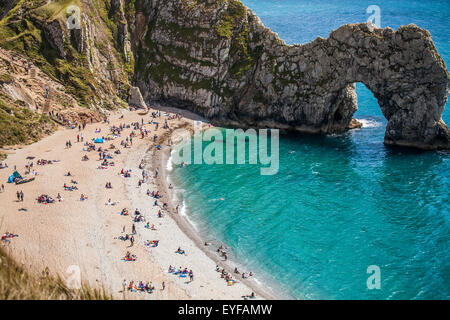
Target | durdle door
(216,58)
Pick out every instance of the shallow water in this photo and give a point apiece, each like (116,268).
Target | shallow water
(339,203)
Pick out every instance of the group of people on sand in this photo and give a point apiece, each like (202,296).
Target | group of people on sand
(151,243)
(89,146)
(7,236)
(140,286)
(182,272)
(70,188)
(124,212)
(147,226)
(222,252)
(19,195)
(45,199)
(125,173)
(42,162)
(117,131)
(154,194)
(130,257)
(83,197)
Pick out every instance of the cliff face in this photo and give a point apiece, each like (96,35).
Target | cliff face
(217,58)
(86,50)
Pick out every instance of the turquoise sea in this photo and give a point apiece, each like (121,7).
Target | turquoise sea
(339,204)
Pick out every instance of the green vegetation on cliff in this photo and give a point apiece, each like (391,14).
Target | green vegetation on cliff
(22,30)
(234,26)
(19,125)
(233,17)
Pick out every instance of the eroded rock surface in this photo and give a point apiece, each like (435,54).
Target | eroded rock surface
(217,58)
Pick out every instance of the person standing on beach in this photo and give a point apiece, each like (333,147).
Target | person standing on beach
(132,241)
(163,286)
(133,229)
(21,196)
(18,196)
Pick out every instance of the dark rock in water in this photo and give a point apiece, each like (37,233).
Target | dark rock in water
(217,58)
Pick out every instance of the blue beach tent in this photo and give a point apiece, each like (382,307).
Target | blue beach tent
(13,176)
(98,140)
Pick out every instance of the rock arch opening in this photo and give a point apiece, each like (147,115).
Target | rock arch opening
(249,77)
(369,113)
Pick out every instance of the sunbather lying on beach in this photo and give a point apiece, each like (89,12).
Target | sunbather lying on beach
(250,296)
(45,199)
(179,251)
(152,243)
(147,226)
(130,257)
(68,188)
(147,287)
(111,203)
(6,236)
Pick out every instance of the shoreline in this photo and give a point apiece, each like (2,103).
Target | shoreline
(187,228)
(154,158)
(86,234)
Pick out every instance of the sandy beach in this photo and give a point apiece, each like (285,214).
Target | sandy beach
(86,233)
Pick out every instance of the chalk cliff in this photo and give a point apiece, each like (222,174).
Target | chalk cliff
(216,58)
